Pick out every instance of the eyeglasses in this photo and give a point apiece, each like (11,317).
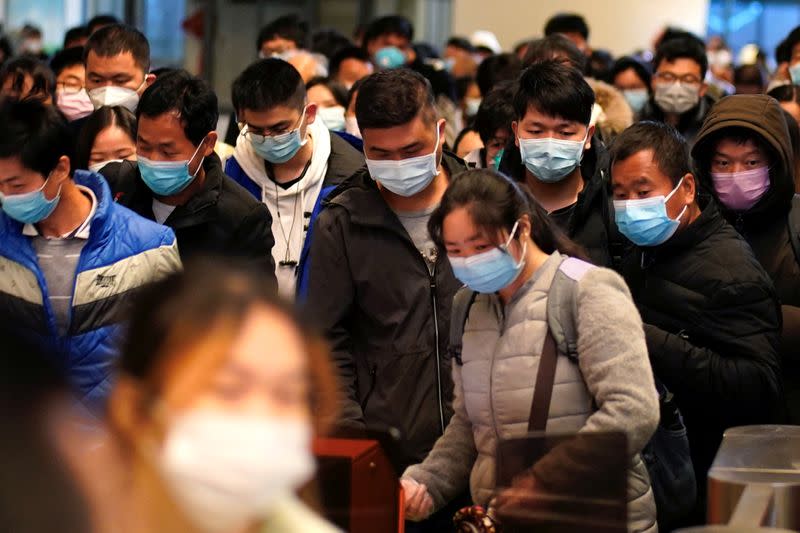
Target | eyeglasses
(669,77)
(69,87)
(259,135)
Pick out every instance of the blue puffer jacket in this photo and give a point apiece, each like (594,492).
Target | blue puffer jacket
(124,252)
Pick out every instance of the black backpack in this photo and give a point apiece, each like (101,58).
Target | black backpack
(667,456)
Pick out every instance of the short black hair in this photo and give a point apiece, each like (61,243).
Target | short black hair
(792,40)
(389,25)
(555,89)
(494,69)
(682,48)
(36,133)
(786,93)
(44,82)
(98,21)
(461,43)
(337,89)
(288,27)
(350,52)
(74,34)
(552,47)
(567,23)
(783,53)
(496,111)
(644,71)
(266,84)
(66,58)
(95,123)
(460,137)
(394,97)
(352,92)
(116,39)
(328,42)
(191,97)
(600,64)
(670,149)
(748,75)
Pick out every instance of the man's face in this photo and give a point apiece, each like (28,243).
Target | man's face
(120,70)
(161,138)
(795,55)
(639,177)
(412,139)
(390,39)
(684,70)
(734,156)
(15,178)
(71,79)
(793,108)
(277,45)
(351,70)
(277,120)
(537,125)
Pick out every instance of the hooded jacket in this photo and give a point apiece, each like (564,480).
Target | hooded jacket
(765,226)
(385,314)
(591,219)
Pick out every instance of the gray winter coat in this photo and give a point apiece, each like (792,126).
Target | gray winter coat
(494,387)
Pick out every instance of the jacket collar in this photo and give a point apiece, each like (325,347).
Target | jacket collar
(709,222)
(199,208)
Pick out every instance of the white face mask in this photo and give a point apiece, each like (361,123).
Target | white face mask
(406,177)
(332,117)
(228,471)
(95,167)
(112,95)
(351,126)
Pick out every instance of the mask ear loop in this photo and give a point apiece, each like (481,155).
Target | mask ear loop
(685,207)
(193,156)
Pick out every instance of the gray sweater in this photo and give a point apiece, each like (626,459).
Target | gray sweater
(494,387)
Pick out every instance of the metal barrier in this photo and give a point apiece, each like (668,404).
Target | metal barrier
(755,481)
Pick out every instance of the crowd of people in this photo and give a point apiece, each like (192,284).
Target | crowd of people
(386,239)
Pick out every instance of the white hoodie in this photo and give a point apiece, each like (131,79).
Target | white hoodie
(291,209)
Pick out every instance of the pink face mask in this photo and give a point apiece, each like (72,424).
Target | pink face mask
(739,191)
(74,105)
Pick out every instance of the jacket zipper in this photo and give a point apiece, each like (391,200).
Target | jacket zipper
(432,273)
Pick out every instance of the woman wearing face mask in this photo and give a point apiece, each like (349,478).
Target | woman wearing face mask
(331,100)
(502,245)
(107,136)
(220,393)
(633,78)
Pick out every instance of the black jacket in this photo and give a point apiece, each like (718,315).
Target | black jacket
(690,122)
(591,220)
(712,322)
(222,219)
(386,316)
(765,226)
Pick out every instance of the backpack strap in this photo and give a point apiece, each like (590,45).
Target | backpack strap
(462,302)
(562,305)
(793,222)
(543,391)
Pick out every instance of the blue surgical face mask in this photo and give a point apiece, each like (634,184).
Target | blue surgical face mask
(636,98)
(646,222)
(406,177)
(794,72)
(30,207)
(488,272)
(389,57)
(279,149)
(332,117)
(551,160)
(166,178)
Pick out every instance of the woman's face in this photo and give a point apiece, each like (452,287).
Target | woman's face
(628,80)
(462,238)
(322,96)
(264,372)
(112,142)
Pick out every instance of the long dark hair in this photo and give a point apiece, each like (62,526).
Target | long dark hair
(95,123)
(496,203)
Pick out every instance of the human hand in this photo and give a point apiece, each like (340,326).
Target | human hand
(418,503)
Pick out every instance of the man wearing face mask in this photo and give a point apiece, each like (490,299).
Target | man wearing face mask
(286,158)
(711,315)
(71,96)
(744,156)
(117,59)
(177,179)
(556,156)
(376,285)
(69,255)
(679,91)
